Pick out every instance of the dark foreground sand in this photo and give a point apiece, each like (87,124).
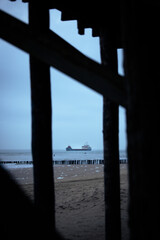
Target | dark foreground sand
(79,193)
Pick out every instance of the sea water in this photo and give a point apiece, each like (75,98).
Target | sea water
(58,155)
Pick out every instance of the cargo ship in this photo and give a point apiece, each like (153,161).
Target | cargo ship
(85,147)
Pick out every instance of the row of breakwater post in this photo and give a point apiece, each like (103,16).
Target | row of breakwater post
(94,161)
(67,162)
(16,162)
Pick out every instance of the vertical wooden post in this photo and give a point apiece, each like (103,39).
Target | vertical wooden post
(142,53)
(111,146)
(41,120)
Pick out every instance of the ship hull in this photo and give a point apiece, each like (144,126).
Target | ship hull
(81,150)
(84,148)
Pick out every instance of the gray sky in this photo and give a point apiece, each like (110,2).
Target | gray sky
(77,110)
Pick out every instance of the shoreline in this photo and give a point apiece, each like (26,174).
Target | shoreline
(23,174)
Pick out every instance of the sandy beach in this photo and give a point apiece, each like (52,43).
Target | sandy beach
(79,194)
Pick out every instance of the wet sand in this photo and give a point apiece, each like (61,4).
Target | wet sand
(79,195)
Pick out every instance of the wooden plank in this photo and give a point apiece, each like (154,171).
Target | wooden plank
(41,123)
(111,146)
(142,51)
(56,52)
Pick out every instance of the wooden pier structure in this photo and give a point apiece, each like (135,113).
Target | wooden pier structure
(133,26)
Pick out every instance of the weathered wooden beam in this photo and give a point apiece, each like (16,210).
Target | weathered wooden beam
(111,145)
(142,52)
(55,51)
(41,122)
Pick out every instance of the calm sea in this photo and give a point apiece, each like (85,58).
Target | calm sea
(60,155)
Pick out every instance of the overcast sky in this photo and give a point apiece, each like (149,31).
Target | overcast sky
(77,110)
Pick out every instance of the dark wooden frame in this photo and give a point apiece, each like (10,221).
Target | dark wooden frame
(135,28)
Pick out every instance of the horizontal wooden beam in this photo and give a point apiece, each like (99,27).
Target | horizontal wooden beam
(55,51)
